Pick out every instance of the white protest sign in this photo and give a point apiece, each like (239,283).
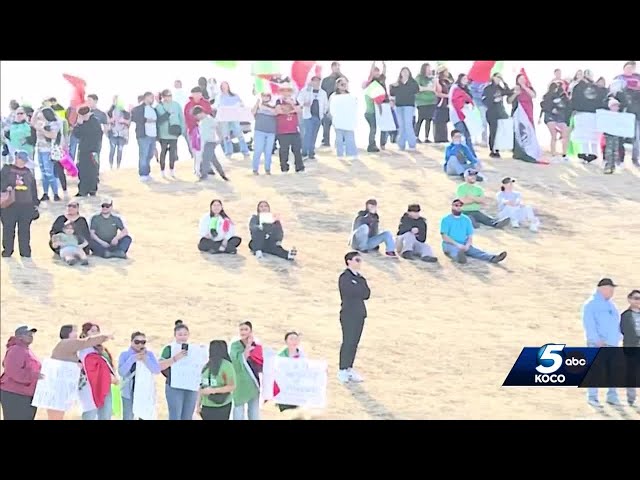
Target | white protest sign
(585,133)
(620,124)
(58,389)
(187,372)
(473,121)
(294,381)
(504,135)
(234,114)
(384,118)
(144,393)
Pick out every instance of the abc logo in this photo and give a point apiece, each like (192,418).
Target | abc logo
(552,357)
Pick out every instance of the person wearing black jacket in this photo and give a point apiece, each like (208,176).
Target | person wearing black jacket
(88,131)
(587,97)
(493,98)
(554,110)
(80,225)
(404,91)
(365,231)
(412,236)
(267,234)
(630,328)
(354,290)
(19,180)
(329,85)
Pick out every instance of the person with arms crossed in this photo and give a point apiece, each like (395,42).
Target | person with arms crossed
(354,290)
(601,321)
(630,328)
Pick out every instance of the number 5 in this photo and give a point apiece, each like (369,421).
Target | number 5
(551,352)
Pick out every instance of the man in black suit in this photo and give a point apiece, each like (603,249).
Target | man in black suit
(353,293)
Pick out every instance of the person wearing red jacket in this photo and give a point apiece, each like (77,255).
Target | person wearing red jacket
(191,122)
(21,373)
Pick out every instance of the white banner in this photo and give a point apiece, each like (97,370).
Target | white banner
(504,135)
(58,389)
(144,393)
(187,372)
(234,114)
(294,381)
(384,118)
(620,124)
(585,133)
(473,121)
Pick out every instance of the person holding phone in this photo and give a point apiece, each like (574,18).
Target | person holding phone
(267,234)
(217,384)
(181,403)
(246,356)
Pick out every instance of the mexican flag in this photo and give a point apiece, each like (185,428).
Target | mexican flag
(97,387)
(375,92)
(303,71)
(481,71)
(78,92)
(265,70)
(525,146)
(262,85)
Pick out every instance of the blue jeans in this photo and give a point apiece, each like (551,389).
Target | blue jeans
(592,393)
(145,154)
(311,129)
(181,403)
(406,132)
(73,147)
(253,410)
(127,409)
(462,128)
(346,142)
(362,240)
(473,252)
(263,145)
(102,413)
(48,176)
(124,244)
(229,130)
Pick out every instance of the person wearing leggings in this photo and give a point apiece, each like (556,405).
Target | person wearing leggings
(493,99)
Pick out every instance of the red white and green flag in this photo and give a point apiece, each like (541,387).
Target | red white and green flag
(375,92)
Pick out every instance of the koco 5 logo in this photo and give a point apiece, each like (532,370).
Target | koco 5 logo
(551,358)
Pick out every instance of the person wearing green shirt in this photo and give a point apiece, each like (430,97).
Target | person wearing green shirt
(426,100)
(217,384)
(472,195)
(246,356)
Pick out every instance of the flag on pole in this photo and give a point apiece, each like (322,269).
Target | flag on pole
(78,92)
(265,70)
(375,92)
(301,71)
(526,77)
(481,70)
(228,64)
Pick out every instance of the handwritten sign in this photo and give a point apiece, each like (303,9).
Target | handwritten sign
(620,124)
(187,372)
(58,389)
(504,135)
(234,114)
(144,393)
(301,382)
(384,118)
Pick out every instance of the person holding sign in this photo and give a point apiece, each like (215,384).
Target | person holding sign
(291,350)
(180,402)
(217,384)
(246,356)
(267,234)
(354,291)
(20,376)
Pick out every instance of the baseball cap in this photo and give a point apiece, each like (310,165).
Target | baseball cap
(469,172)
(508,180)
(106,201)
(606,282)
(457,200)
(414,207)
(24,329)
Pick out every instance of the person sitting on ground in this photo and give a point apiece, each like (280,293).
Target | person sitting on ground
(80,225)
(412,236)
(70,245)
(473,197)
(267,234)
(458,157)
(365,233)
(510,206)
(109,235)
(457,237)
(217,231)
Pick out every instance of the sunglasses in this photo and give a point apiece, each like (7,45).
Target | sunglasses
(140,342)
(106,205)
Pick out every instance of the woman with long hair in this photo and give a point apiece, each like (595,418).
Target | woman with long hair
(217,384)
(181,403)
(404,92)
(343,107)
(217,231)
(554,108)
(426,100)
(577,78)
(525,145)
(267,234)
(511,206)
(48,133)
(459,96)
(227,98)
(493,99)
(441,116)
(264,132)
(247,359)
(586,98)
(291,350)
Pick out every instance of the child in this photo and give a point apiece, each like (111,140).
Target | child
(613,150)
(458,157)
(209,138)
(71,246)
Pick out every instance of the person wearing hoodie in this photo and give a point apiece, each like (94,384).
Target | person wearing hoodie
(217,231)
(458,157)
(210,136)
(587,97)
(365,234)
(329,86)
(459,97)
(247,359)
(630,328)
(20,134)
(191,122)
(404,92)
(267,234)
(554,110)
(21,371)
(171,126)
(493,100)
(412,236)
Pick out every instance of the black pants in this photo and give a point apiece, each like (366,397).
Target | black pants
(268,245)
(425,114)
(17,407)
(293,142)
(493,130)
(208,245)
(170,146)
(326,130)
(20,215)
(88,164)
(371,120)
(216,413)
(481,218)
(351,333)
(58,171)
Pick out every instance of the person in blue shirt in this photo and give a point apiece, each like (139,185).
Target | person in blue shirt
(457,237)
(458,157)
(601,322)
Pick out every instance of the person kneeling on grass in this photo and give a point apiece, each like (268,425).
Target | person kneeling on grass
(458,157)
(365,234)
(457,237)
(71,245)
(267,234)
(109,236)
(412,236)
(217,231)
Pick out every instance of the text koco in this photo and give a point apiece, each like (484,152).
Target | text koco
(553,378)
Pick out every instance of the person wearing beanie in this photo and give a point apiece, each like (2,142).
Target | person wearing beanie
(365,231)
(412,236)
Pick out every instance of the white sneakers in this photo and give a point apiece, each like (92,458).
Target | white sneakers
(349,375)
(534,226)
(259,254)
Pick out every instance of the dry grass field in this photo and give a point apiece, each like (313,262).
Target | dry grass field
(439,340)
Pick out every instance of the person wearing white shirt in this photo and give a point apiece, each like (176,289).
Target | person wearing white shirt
(510,206)
(343,108)
(315,105)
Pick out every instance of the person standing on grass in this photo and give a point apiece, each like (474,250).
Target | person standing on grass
(180,402)
(246,356)
(145,118)
(217,384)
(264,132)
(291,350)
(354,291)
(21,372)
(88,131)
(404,92)
(329,86)
(288,128)
(426,101)
(315,106)
(209,138)
(630,328)
(343,109)
(601,321)
(170,127)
